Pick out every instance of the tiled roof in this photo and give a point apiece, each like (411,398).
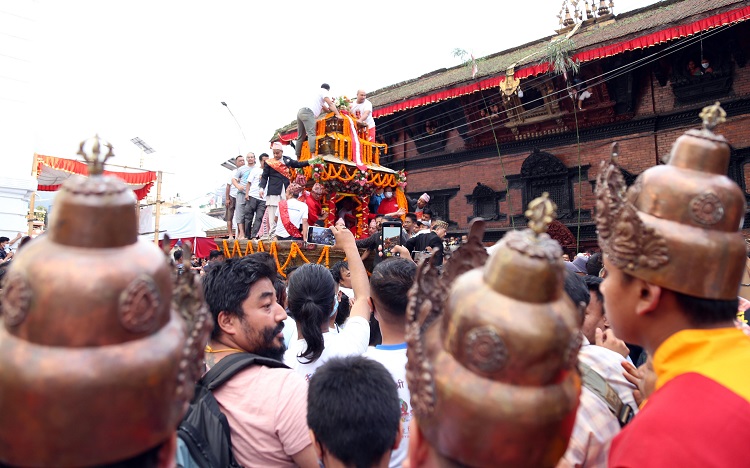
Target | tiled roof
(643,21)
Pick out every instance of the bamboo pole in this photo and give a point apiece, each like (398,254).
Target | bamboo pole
(158,208)
(32,200)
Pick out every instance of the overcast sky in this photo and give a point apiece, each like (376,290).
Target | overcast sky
(158,70)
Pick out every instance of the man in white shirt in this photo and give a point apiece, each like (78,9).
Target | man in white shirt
(362,110)
(292,216)
(255,203)
(239,181)
(595,424)
(389,286)
(306,119)
(231,205)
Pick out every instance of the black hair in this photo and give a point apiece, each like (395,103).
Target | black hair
(354,410)
(701,311)
(427,211)
(215,254)
(344,310)
(228,285)
(4,239)
(593,283)
(239,156)
(310,299)
(325,86)
(376,336)
(577,291)
(412,217)
(336,270)
(390,283)
(177,255)
(263,155)
(267,258)
(3,270)
(24,240)
(280,285)
(594,264)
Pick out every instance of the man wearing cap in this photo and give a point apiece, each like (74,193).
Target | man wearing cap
(315,208)
(293,213)
(491,346)
(275,180)
(362,110)
(676,219)
(306,119)
(417,206)
(240,183)
(96,368)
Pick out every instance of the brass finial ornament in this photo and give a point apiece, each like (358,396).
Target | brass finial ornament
(677,217)
(100,341)
(713,116)
(541,212)
(90,150)
(492,347)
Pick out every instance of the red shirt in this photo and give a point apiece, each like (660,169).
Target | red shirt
(314,209)
(388,205)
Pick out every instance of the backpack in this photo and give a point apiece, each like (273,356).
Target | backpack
(204,439)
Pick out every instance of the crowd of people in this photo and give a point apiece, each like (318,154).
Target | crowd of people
(628,356)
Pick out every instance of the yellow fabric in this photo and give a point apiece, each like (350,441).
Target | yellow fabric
(721,354)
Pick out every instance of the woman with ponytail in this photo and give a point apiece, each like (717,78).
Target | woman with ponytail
(311,300)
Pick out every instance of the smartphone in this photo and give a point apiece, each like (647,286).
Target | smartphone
(390,236)
(320,235)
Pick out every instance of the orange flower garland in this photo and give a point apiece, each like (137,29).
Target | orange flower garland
(294,251)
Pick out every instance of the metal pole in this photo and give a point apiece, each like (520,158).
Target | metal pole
(158,208)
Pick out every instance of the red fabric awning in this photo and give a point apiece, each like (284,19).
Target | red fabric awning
(659,37)
(52,172)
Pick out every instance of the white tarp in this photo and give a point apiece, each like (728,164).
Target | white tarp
(182,225)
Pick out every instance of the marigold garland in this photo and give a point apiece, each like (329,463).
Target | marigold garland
(294,251)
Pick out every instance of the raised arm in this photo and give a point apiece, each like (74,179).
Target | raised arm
(360,282)
(332,106)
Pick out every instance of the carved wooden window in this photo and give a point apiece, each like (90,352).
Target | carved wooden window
(486,202)
(439,202)
(543,172)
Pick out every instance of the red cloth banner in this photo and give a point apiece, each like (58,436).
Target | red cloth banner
(52,172)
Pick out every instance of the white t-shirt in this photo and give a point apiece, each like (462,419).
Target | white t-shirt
(297,212)
(352,341)
(320,99)
(362,108)
(393,358)
(237,175)
(254,179)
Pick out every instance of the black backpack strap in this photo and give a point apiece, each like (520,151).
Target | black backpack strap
(229,365)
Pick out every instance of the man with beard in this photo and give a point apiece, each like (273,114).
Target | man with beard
(265,407)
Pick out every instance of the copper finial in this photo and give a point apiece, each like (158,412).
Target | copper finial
(92,153)
(713,116)
(541,212)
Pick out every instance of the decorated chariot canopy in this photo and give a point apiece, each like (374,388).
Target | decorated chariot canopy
(348,166)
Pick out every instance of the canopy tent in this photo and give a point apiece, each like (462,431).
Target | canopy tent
(191,226)
(52,172)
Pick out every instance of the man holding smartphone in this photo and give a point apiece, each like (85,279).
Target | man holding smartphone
(432,240)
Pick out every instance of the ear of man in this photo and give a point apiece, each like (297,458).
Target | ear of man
(227,322)
(649,297)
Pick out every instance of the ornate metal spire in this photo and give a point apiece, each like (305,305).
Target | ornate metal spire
(90,150)
(713,116)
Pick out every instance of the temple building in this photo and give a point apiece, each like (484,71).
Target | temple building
(539,117)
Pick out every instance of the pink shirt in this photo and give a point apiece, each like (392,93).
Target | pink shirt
(267,413)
